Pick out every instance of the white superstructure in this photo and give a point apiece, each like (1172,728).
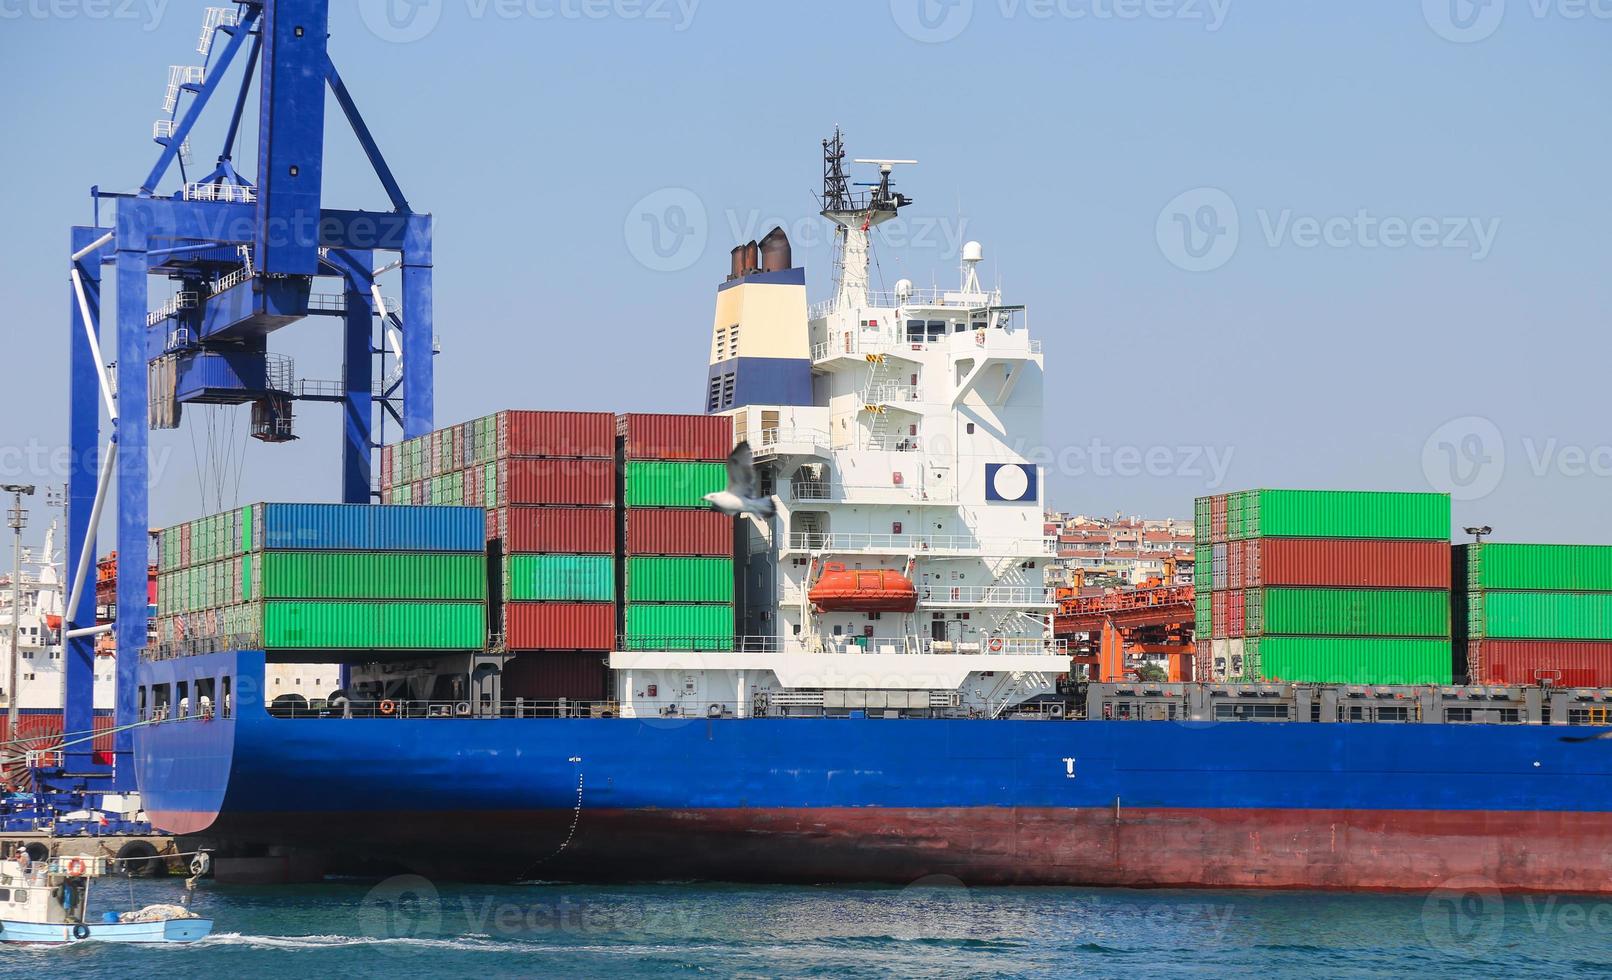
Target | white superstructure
(909,454)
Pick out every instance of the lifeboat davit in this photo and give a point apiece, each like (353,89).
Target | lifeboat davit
(842,589)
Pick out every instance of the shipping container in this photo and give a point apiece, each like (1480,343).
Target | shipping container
(590,482)
(559,625)
(564,578)
(1353,660)
(1236,613)
(1529,662)
(570,530)
(657,531)
(1346,612)
(1217,607)
(1217,518)
(1542,567)
(679,580)
(1200,521)
(1344,514)
(556,434)
(679,627)
(687,437)
(1234,563)
(550,675)
(364,527)
(357,575)
(1201,612)
(1219,577)
(1342,562)
(1538,615)
(302,624)
(658,483)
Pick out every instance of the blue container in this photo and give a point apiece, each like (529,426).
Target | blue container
(369,527)
(221,378)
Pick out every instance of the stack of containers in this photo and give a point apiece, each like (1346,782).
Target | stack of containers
(330,577)
(1527,613)
(1325,586)
(548,483)
(677,572)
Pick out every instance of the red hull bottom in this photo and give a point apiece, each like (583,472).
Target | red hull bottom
(1175,848)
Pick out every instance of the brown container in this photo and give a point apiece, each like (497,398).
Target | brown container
(1347,563)
(678,532)
(1236,612)
(1582,663)
(554,530)
(702,437)
(559,625)
(560,434)
(1217,518)
(1217,614)
(551,675)
(1234,565)
(583,482)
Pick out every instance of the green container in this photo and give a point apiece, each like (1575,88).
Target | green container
(667,483)
(1539,615)
(1352,660)
(569,578)
(370,575)
(679,626)
(1342,514)
(1347,612)
(679,580)
(1543,567)
(302,625)
(1202,624)
(1200,520)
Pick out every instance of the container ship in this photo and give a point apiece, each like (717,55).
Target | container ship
(558,662)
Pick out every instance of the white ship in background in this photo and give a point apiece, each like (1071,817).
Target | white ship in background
(39,650)
(890,427)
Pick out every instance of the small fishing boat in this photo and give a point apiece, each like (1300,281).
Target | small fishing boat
(48,903)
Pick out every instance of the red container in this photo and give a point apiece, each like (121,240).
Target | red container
(1234,565)
(707,437)
(589,482)
(1564,664)
(551,675)
(387,455)
(1217,518)
(576,435)
(554,530)
(679,532)
(1340,563)
(1218,614)
(1236,610)
(559,625)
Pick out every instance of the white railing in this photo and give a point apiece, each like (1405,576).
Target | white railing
(776,439)
(233,279)
(337,302)
(845,542)
(178,77)
(933,298)
(281,372)
(894,443)
(893,392)
(910,645)
(180,301)
(215,18)
(236,193)
(984,595)
(870,493)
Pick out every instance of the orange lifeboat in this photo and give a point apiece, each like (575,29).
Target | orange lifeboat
(842,589)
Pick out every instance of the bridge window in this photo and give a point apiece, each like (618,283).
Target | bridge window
(182,691)
(205,696)
(224,705)
(161,698)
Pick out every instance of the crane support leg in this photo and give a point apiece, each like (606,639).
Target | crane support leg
(133,478)
(419,339)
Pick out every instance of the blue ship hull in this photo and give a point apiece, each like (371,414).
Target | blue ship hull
(1044,802)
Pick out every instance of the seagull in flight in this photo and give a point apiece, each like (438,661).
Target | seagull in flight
(742,495)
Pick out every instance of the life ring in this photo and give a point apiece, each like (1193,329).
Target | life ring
(462,709)
(388,707)
(81,931)
(996,644)
(75,867)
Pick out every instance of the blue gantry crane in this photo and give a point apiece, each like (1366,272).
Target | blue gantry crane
(241,254)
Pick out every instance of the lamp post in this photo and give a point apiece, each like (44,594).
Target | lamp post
(1479,532)
(17,518)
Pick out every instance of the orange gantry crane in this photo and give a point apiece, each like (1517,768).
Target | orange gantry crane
(1105,631)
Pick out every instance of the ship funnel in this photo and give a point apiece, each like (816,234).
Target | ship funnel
(752,257)
(736,262)
(776,254)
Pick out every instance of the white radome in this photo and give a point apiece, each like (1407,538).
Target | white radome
(973,252)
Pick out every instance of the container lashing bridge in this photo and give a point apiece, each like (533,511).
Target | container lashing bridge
(242,255)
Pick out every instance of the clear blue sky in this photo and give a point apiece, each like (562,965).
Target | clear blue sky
(1158,181)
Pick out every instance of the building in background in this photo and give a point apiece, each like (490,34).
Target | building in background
(1109,552)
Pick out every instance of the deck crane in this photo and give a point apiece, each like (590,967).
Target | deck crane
(244,253)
